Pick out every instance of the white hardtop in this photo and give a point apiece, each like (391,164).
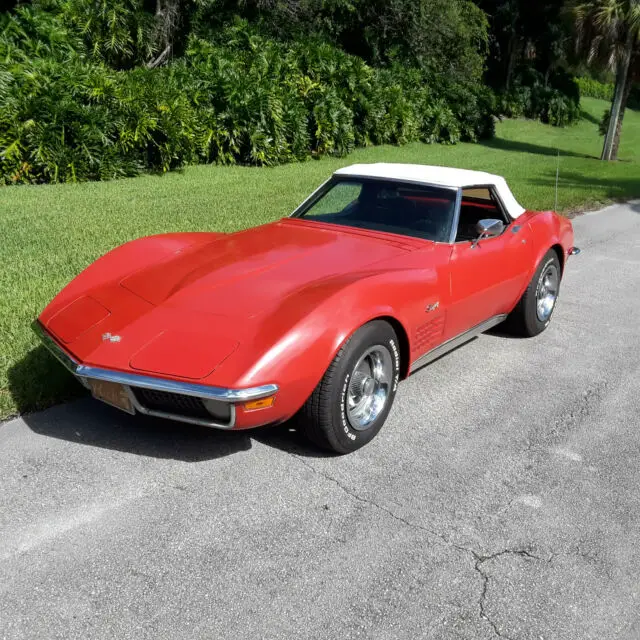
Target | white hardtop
(439,176)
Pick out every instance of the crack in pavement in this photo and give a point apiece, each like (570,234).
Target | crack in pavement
(477,557)
(386,510)
(480,560)
(571,417)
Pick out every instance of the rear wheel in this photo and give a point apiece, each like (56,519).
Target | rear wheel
(533,313)
(350,405)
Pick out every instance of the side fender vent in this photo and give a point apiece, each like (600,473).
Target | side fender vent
(428,335)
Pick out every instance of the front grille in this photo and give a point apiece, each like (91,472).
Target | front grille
(180,405)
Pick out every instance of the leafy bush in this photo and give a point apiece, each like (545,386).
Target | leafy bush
(444,36)
(252,101)
(556,102)
(73,121)
(591,88)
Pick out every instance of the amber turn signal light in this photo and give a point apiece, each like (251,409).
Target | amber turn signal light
(256,405)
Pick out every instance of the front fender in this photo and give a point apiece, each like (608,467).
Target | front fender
(122,261)
(549,230)
(295,345)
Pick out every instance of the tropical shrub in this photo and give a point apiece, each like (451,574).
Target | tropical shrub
(253,100)
(591,88)
(73,121)
(555,102)
(442,36)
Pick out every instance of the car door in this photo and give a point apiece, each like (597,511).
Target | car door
(486,277)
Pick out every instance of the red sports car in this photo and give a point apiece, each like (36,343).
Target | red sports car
(317,316)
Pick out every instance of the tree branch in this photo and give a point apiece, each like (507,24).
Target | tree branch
(156,62)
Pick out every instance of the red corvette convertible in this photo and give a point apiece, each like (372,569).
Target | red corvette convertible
(318,316)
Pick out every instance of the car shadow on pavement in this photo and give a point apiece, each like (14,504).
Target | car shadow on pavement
(285,437)
(39,380)
(88,422)
(91,423)
(503,332)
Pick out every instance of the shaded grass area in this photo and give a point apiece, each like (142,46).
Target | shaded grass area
(50,233)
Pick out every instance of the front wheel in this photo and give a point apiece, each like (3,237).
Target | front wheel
(533,313)
(350,405)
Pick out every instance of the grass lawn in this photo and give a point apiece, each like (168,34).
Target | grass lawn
(50,233)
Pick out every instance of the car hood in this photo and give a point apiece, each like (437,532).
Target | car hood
(246,273)
(189,312)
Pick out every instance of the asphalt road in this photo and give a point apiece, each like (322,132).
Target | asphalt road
(502,499)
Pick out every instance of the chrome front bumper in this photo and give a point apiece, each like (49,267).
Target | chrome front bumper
(133,381)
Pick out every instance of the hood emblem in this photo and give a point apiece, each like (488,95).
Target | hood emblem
(107,337)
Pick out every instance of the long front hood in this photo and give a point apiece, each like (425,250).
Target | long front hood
(189,313)
(245,274)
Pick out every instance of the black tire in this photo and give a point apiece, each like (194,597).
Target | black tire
(324,419)
(524,319)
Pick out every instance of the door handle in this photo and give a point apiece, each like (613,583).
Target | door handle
(516,229)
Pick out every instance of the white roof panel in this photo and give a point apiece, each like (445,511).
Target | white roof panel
(440,176)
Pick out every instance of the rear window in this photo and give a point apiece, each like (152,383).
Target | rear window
(378,205)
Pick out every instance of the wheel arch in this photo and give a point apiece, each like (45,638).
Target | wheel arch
(551,232)
(560,253)
(403,340)
(296,354)
(324,417)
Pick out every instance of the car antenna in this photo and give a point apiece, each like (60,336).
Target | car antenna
(557,181)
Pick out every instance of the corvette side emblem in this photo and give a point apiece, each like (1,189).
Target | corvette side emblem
(433,307)
(107,337)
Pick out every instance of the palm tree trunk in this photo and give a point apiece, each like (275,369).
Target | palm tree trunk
(511,61)
(622,78)
(623,108)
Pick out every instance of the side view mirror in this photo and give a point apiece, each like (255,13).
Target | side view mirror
(488,229)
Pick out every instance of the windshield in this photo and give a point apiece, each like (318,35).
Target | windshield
(379,205)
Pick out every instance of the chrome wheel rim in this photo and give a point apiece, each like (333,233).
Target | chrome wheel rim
(547,293)
(369,387)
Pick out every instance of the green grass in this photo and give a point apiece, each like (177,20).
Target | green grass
(50,233)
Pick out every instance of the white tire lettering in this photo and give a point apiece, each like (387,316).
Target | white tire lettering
(396,356)
(343,412)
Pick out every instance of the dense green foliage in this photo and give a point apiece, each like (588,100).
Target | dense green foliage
(532,98)
(591,88)
(98,89)
(444,36)
(526,35)
(253,100)
(528,58)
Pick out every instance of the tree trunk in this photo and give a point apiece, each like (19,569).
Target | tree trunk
(622,77)
(623,108)
(512,55)
(156,62)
